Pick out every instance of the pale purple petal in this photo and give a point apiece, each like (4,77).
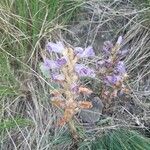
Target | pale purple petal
(88,52)
(120,68)
(57,47)
(61,61)
(108,63)
(112,80)
(83,70)
(122,54)
(58,77)
(80,68)
(74,88)
(50,64)
(119,41)
(46,66)
(78,50)
(107,47)
(100,63)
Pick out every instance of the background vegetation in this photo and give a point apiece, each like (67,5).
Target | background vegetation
(26,116)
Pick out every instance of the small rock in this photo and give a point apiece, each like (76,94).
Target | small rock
(92,115)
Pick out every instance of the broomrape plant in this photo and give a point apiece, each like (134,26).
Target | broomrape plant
(66,71)
(112,70)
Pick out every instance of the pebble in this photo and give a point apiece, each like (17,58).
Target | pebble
(92,115)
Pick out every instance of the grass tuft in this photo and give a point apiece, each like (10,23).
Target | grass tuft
(118,140)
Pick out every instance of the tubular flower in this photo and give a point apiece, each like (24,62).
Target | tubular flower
(74,88)
(78,50)
(122,54)
(88,52)
(107,48)
(120,68)
(50,64)
(105,63)
(58,77)
(112,80)
(83,71)
(61,61)
(57,47)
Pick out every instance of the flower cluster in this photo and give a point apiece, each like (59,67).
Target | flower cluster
(81,69)
(112,69)
(66,71)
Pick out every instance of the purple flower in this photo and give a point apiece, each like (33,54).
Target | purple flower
(103,64)
(107,48)
(74,88)
(57,47)
(78,50)
(108,63)
(50,64)
(100,64)
(88,52)
(120,68)
(83,71)
(61,61)
(58,77)
(122,54)
(112,80)
(119,41)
